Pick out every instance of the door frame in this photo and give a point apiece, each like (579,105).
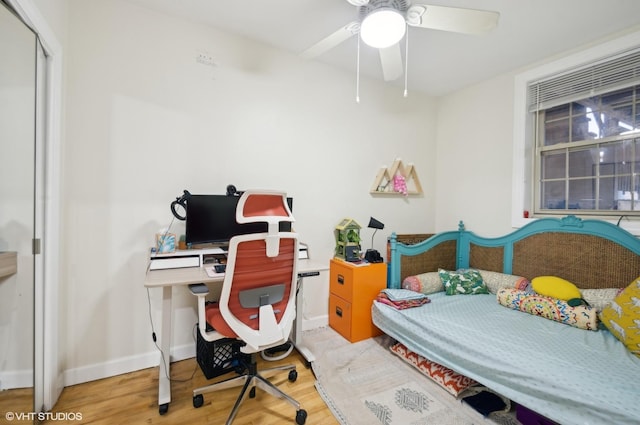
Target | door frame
(46,328)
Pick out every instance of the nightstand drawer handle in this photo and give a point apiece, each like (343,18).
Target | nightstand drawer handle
(338,311)
(341,279)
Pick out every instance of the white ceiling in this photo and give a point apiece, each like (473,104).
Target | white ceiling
(439,62)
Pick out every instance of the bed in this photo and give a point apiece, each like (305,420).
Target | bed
(568,374)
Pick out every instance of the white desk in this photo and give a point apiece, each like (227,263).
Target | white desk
(167,279)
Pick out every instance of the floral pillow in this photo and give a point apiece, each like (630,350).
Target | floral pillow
(463,282)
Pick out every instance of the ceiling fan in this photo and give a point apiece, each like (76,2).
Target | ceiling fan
(383,23)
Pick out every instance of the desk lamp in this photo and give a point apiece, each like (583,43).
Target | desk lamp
(372,255)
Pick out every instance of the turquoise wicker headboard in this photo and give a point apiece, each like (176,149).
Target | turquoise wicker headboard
(589,253)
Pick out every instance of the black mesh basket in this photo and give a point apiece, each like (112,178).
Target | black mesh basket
(219,357)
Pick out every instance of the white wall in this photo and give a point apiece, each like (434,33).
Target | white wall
(476,168)
(55,13)
(474,161)
(144,121)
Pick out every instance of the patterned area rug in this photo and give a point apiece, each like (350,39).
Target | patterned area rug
(365,383)
(407,404)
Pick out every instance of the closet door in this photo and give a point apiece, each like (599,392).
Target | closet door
(18,157)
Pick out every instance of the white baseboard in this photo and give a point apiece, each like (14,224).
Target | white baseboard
(151,359)
(315,322)
(124,365)
(13,379)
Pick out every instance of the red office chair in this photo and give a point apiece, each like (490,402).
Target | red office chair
(257,303)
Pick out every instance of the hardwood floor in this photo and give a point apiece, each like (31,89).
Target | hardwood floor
(15,401)
(132,398)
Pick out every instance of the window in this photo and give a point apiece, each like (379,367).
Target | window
(585,139)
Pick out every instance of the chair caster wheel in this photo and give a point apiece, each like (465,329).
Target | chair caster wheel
(301,417)
(293,375)
(198,400)
(163,408)
(252,392)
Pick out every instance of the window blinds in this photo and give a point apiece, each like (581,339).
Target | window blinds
(606,75)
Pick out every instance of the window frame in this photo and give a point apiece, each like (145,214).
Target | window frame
(525,125)
(572,147)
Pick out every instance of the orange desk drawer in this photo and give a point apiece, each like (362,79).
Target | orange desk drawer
(341,280)
(352,291)
(349,281)
(340,316)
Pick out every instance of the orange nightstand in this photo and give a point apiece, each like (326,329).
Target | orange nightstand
(352,290)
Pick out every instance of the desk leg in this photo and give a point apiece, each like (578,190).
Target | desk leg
(297,332)
(164,383)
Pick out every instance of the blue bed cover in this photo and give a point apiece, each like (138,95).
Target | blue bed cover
(570,375)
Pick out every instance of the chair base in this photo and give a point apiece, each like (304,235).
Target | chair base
(249,381)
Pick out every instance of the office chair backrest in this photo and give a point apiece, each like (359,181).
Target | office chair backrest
(268,207)
(263,206)
(261,273)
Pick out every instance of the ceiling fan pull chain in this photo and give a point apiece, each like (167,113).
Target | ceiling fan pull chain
(406,60)
(358,73)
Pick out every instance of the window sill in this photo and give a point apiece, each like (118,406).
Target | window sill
(632,226)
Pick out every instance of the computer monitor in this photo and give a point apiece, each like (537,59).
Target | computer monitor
(211,219)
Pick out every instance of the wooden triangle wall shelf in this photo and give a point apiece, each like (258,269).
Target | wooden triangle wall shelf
(384,184)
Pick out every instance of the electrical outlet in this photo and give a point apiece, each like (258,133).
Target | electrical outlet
(205,59)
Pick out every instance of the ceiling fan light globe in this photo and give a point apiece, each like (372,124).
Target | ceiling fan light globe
(383,28)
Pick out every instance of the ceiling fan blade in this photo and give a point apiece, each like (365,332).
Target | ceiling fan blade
(454,19)
(391,60)
(332,41)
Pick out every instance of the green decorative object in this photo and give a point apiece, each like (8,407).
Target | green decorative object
(347,236)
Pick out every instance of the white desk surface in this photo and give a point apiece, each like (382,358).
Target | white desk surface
(189,275)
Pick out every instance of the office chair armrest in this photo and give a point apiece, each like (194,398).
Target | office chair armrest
(199,289)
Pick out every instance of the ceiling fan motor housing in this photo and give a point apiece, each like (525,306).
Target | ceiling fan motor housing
(400,5)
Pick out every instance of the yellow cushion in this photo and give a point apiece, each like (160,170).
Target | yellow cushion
(621,317)
(555,287)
